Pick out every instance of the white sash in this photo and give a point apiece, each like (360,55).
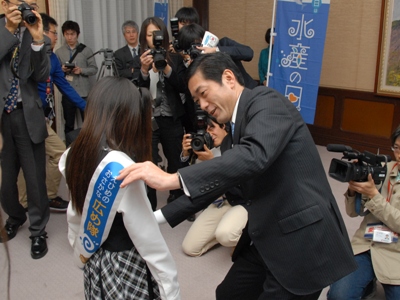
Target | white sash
(101,204)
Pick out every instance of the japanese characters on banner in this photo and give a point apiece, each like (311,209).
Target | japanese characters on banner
(298,51)
(161,10)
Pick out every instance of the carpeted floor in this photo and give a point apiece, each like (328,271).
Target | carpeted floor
(56,277)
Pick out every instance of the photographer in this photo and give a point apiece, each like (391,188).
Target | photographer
(77,66)
(191,36)
(223,220)
(23,64)
(375,248)
(162,72)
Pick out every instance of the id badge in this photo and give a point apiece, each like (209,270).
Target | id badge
(379,232)
(69,78)
(382,236)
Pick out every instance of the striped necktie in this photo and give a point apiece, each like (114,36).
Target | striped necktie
(133,52)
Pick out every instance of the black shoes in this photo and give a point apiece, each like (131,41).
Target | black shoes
(57,204)
(9,231)
(39,246)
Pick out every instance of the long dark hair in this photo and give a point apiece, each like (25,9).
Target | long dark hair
(143,32)
(117,115)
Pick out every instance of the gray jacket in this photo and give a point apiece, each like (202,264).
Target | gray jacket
(79,82)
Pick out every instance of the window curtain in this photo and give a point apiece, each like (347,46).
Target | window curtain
(100,23)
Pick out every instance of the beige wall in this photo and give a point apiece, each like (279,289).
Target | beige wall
(351,43)
(41,3)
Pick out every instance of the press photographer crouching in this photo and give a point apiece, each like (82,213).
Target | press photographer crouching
(162,73)
(375,244)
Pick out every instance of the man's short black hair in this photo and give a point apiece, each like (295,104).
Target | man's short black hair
(70,25)
(189,35)
(395,135)
(47,20)
(187,15)
(268,36)
(212,67)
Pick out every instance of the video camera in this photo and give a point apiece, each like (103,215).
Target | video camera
(159,53)
(27,15)
(108,56)
(367,163)
(201,137)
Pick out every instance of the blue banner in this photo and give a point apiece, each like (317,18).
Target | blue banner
(161,10)
(298,51)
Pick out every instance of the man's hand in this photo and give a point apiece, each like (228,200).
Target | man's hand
(151,174)
(207,49)
(36,29)
(77,70)
(13,16)
(205,154)
(367,188)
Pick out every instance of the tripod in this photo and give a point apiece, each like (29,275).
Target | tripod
(109,66)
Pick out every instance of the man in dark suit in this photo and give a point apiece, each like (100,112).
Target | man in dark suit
(295,242)
(127,59)
(22,122)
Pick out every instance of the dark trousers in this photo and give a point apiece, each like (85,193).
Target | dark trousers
(69,110)
(20,152)
(169,134)
(249,278)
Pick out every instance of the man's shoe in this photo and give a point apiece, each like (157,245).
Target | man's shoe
(58,204)
(10,231)
(39,246)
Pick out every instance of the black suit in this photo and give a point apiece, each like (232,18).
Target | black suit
(294,223)
(24,131)
(125,62)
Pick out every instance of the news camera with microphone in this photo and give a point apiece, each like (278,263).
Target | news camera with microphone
(366,163)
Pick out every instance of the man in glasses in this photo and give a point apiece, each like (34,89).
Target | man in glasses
(23,64)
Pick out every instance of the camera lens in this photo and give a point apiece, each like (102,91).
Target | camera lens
(197,143)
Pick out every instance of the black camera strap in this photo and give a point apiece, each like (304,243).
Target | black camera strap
(78,49)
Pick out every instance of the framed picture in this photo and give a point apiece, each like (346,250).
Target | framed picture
(388,67)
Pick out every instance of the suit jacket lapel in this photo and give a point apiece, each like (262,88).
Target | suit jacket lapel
(24,65)
(240,114)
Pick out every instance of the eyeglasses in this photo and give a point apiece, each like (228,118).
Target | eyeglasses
(53,32)
(395,149)
(33,5)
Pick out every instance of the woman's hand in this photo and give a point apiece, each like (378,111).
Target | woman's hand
(205,154)
(187,139)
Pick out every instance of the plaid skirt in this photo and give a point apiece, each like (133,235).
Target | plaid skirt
(117,275)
